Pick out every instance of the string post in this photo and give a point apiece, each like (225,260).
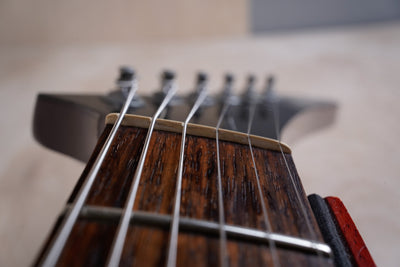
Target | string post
(269,85)
(168,75)
(167,84)
(268,94)
(202,76)
(229,79)
(200,88)
(126,73)
(227,95)
(167,78)
(126,79)
(250,95)
(202,79)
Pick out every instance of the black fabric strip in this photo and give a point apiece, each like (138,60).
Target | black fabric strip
(328,230)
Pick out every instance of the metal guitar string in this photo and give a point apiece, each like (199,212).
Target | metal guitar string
(173,242)
(274,253)
(119,240)
(221,216)
(275,112)
(70,218)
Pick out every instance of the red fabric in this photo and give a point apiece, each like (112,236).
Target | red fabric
(355,243)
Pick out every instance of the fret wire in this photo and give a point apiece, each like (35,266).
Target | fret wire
(119,240)
(65,229)
(272,245)
(173,242)
(275,113)
(222,232)
(150,219)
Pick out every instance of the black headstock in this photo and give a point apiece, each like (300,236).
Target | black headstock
(71,123)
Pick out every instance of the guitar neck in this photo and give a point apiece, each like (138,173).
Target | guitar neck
(168,192)
(288,211)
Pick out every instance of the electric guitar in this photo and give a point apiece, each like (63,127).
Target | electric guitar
(195,180)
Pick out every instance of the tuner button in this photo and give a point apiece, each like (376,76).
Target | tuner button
(168,75)
(167,78)
(126,73)
(250,95)
(270,83)
(201,82)
(227,91)
(251,79)
(270,79)
(227,95)
(229,78)
(201,77)
(269,87)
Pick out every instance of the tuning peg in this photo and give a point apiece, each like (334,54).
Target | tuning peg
(167,79)
(167,82)
(126,74)
(268,94)
(227,95)
(125,80)
(269,85)
(201,85)
(250,91)
(168,75)
(228,86)
(202,79)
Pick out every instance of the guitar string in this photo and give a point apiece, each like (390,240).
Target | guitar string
(70,218)
(272,246)
(118,243)
(275,113)
(173,242)
(221,215)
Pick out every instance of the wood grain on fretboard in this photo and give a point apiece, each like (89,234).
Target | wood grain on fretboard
(91,240)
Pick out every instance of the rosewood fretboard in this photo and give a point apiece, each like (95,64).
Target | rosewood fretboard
(146,245)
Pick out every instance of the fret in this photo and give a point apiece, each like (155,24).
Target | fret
(239,233)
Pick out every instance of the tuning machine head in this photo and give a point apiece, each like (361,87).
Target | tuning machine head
(269,94)
(250,94)
(227,94)
(167,83)
(201,85)
(126,74)
(201,82)
(125,80)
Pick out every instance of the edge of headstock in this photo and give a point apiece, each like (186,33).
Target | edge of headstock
(71,123)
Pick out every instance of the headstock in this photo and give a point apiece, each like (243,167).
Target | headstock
(71,123)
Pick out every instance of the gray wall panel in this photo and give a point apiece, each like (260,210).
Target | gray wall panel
(267,15)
